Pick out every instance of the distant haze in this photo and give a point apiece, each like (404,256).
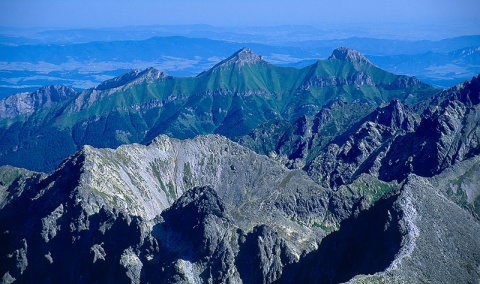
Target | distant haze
(447,16)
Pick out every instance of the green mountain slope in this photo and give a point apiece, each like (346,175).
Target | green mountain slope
(233,98)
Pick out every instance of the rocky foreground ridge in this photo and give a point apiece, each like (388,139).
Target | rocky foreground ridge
(209,209)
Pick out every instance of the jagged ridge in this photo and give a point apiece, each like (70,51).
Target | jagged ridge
(257,222)
(28,103)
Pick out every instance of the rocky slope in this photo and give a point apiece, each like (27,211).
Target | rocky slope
(210,210)
(440,231)
(141,193)
(362,147)
(28,103)
(232,99)
(345,140)
(447,134)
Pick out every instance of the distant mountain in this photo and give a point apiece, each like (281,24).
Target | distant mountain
(25,104)
(438,68)
(82,59)
(234,97)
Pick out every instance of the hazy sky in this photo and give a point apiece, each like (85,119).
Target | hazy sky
(116,13)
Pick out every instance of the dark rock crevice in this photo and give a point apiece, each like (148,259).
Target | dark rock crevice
(262,256)
(365,244)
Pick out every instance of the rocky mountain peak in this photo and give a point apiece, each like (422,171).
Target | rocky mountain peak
(397,116)
(53,93)
(134,76)
(27,103)
(347,54)
(242,57)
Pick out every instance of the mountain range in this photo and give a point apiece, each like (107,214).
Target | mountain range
(83,59)
(246,173)
(233,98)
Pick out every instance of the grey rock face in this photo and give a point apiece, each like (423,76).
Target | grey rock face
(364,244)
(263,255)
(240,58)
(28,103)
(447,134)
(295,144)
(358,79)
(440,244)
(132,77)
(196,241)
(361,148)
(344,141)
(98,195)
(402,82)
(460,184)
(209,210)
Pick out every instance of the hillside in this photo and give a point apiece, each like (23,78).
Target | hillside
(232,99)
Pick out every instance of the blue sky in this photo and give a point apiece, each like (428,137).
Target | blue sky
(117,13)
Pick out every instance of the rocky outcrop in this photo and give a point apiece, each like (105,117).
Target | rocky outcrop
(347,54)
(132,77)
(358,79)
(345,140)
(240,58)
(447,134)
(27,103)
(393,141)
(194,241)
(295,144)
(440,242)
(361,148)
(402,83)
(364,244)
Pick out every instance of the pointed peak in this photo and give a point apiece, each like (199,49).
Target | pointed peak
(395,104)
(242,57)
(347,54)
(152,74)
(396,115)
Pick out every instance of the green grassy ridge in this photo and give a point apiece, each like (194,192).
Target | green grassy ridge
(229,99)
(279,85)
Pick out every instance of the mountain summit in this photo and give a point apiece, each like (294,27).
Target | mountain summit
(134,76)
(347,54)
(242,57)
